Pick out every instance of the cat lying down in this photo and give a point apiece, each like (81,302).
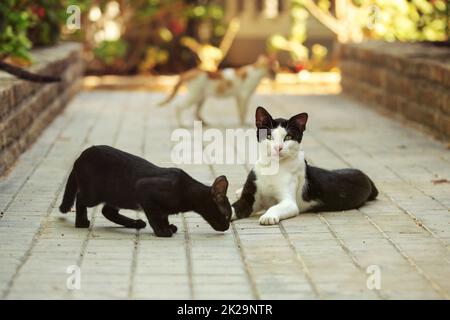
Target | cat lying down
(120,180)
(296,186)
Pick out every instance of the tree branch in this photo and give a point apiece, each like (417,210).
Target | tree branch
(326,19)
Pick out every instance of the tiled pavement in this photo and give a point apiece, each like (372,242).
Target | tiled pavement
(405,233)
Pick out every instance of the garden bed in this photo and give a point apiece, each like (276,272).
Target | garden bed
(410,79)
(27,108)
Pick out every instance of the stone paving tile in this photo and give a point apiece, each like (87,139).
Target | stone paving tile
(406,232)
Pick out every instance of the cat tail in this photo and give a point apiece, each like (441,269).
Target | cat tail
(173,93)
(26,75)
(374,192)
(69,194)
(187,76)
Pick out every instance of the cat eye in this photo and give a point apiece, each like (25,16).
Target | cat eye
(288,137)
(269,136)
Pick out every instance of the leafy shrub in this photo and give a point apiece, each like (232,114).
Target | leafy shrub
(48,16)
(15,21)
(110,51)
(27,23)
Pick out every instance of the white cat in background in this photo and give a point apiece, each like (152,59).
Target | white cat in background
(240,83)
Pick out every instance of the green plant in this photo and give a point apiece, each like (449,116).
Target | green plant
(28,23)
(293,43)
(14,23)
(404,20)
(48,16)
(110,51)
(165,25)
(416,20)
(356,20)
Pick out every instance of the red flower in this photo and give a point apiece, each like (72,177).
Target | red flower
(299,67)
(176,27)
(39,11)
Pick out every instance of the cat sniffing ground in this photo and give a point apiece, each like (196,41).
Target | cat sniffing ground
(239,83)
(296,186)
(120,180)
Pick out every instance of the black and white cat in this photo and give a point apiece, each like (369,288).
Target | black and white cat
(296,186)
(120,180)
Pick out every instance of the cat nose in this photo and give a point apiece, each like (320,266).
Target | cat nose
(278,148)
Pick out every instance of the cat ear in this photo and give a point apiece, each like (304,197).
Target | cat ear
(263,119)
(299,121)
(219,187)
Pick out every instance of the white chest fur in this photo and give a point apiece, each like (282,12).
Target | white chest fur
(286,185)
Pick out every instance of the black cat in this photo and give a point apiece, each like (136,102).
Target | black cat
(26,75)
(120,180)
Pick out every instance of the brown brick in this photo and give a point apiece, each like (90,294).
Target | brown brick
(27,108)
(446,101)
(443,125)
(446,81)
(419,114)
(407,78)
(437,73)
(393,102)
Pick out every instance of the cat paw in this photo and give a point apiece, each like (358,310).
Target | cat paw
(139,224)
(64,209)
(173,228)
(233,215)
(82,224)
(269,219)
(165,233)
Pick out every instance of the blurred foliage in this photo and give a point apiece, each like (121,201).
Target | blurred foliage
(15,21)
(153,57)
(293,43)
(404,20)
(48,16)
(155,29)
(416,20)
(110,51)
(28,23)
(158,30)
(174,23)
(356,20)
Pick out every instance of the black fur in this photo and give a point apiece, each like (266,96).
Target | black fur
(26,75)
(120,180)
(337,190)
(265,123)
(244,206)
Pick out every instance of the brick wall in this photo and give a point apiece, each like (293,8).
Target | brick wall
(27,108)
(409,79)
